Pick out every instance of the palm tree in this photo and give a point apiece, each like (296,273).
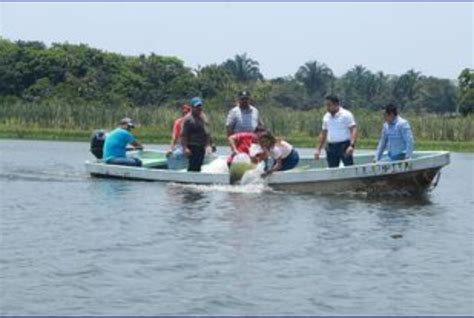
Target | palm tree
(243,68)
(317,78)
(404,89)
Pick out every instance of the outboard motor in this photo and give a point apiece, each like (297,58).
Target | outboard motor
(97,143)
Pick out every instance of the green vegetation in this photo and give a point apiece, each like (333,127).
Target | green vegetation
(65,91)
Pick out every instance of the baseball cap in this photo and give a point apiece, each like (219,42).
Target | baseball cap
(244,94)
(196,102)
(127,121)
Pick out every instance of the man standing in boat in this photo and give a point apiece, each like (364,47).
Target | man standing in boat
(195,135)
(115,146)
(243,117)
(340,130)
(396,136)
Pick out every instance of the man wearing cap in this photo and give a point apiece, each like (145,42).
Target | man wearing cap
(195,135)
(340,131)
(115,147)
(243,117)
(396,136)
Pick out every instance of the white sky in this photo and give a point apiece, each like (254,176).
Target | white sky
(434,38)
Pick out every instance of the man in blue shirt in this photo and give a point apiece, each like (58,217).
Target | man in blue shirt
(115,147)
(396,136)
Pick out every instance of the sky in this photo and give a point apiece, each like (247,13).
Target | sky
(433,38)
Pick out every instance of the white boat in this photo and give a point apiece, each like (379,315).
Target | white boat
(413,176)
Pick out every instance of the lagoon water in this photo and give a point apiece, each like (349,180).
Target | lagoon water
(70,244)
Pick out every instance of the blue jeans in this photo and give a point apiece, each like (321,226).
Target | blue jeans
(134,162)
(400,156)
(177,160)
(291,161)
(335,152)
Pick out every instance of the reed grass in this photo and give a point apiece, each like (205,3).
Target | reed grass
(53,120)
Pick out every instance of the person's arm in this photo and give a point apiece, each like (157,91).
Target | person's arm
(350,149)
(184,138)
(175,134)
(381,146)
(322,140)
(260,121)
(209,139)
(232,143)
(407,136)
(230,123)
(277,166)
(136,145)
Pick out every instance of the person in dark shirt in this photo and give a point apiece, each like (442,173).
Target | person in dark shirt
(195,135)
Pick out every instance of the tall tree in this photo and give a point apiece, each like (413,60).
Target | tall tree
(212,80)
(317,78)
(243,68)
(359,87)
(435,95)
(404,88)
(466,91)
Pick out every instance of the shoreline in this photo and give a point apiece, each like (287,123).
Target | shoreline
(164,138)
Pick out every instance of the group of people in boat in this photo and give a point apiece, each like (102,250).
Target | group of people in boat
(248,137)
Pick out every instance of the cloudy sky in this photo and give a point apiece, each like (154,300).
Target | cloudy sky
(434,38)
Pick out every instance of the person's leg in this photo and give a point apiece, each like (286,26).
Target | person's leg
(177,160)
(133,162)
(197,158)
(291,161)
(332,155)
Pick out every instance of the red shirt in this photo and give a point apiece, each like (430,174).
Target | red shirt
(243,141)
(177,126)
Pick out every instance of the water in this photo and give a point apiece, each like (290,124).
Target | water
(70,244)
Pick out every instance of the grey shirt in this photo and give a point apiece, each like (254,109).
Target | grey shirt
(196,131)
(243,120)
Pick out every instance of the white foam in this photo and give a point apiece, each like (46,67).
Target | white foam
(249,188)
(218,165)
(254,176)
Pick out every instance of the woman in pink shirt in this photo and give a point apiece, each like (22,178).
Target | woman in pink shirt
(284,154)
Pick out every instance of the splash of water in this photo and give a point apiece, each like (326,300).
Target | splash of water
(248,189)
(218,165)
(253,177)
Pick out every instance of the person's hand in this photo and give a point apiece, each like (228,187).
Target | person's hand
(349,151)
(169,152)
(266,174)
(187,152)
(317,153)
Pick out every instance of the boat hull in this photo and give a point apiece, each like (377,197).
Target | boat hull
(409,176)
(402,183)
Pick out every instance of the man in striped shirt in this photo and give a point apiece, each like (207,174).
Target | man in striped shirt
(243,117)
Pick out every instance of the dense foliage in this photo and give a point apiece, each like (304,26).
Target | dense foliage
(78,74)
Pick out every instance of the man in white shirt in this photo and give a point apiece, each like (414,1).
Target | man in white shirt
(340,130)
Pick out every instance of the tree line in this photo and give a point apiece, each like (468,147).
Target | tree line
(31,72)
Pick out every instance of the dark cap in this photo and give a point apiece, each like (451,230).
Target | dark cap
(244,94)
(390,109)
(127,121)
